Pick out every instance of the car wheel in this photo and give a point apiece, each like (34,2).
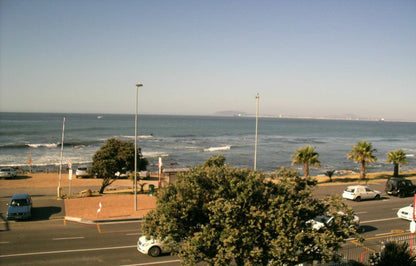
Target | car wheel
(401,195)
(377,197)
(389,187)
(154,251)
(358,199)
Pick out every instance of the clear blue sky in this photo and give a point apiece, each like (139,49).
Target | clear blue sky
(199,57)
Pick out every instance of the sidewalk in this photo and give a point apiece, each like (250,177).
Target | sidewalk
(113,208)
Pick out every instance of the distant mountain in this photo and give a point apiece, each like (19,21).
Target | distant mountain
(230,113)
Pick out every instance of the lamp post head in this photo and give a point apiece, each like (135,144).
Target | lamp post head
(139,85)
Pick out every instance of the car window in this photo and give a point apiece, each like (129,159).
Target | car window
(20,202)
(349,189)
(322,218)
(368,190)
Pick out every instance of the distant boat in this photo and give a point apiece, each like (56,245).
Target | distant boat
(99,117)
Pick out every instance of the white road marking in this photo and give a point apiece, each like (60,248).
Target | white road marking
(4,242)
(133,234)
(155,263)
(63,251)
(380,220)
(360,212)
(384,234)
(68,238)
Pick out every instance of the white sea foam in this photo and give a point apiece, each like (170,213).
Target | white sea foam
(46,145)
(140,137)
(153,154)
(223,148)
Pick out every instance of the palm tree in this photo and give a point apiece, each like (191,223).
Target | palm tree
(396,157)
(329,174)
(394,253)
(306,156)
(362,153)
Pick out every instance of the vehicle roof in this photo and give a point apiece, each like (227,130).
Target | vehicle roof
(356,186)
(20,196)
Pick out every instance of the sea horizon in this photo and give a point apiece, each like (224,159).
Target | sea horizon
(184,141)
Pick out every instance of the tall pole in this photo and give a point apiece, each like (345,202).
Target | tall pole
(257,125)
(135,146)
(60,165)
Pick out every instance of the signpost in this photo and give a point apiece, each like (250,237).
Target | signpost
(160,171)
(29,161)
(70,177)
(413,225)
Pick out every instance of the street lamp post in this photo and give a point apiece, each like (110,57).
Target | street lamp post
(60,164)
(135,146)
(257,125)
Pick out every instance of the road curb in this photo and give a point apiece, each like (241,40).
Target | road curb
(104,220)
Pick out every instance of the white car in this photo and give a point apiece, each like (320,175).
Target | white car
(360,192)
(7,172)
(82,171)
(123,174)
(322,221)
(151,246)
(406,212)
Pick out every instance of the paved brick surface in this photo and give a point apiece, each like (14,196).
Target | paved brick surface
(112,207)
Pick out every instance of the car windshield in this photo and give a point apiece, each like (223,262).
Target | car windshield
(322,218)
(82,168)
(409,183)
(350,189)
(19,202)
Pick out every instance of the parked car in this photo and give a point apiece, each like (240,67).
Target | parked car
(19,207)
(151,246)
(406,212)
(400,187)
(360,192)
(7,172)
(123,174)
(82,171)
(144,174)
(321,221)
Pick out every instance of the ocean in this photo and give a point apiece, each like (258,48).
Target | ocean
(185,141)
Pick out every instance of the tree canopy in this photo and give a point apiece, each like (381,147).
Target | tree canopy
(396,158)
(362,153)
(115,155)
(306,156)
(218,214)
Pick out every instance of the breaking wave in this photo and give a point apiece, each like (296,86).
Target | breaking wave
(223,148)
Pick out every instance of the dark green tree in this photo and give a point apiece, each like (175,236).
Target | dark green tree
(115,155)
(394,253)
(285,172)
(362,153)
(306,156)
(218,214)
(329,174)
(397,158)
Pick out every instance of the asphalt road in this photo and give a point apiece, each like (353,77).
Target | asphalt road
(49,240)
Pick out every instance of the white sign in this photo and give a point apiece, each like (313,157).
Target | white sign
(70,174)
(100,206)
(412,227)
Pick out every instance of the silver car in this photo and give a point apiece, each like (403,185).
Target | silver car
(82,171)
(7,172)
